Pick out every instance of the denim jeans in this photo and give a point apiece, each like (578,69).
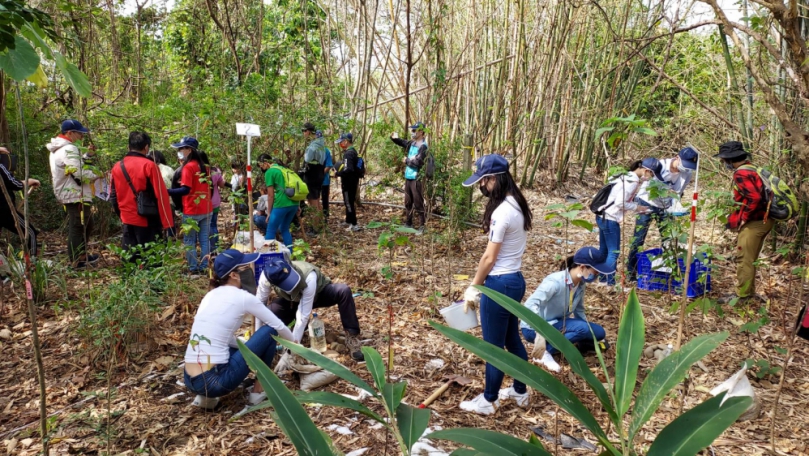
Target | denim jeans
(576,330)
(609,236)
(642,222)
(213,234)
(501,328)
(261,222)
(192,237)
(224,378)
(280,218)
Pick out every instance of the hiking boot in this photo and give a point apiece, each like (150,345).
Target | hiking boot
(480,405)
(510,393)
(207,403)
(354,347)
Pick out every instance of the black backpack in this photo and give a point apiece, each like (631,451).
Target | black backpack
(360,167)
(600,199)
(429,166)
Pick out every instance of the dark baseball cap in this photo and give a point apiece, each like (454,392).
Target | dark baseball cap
(487,165)
(231,259)
(653,165)
(417,126)
(345,137)
(689,158)
(591,256)
(187,141)
(309,126)
(74,125)
(281,274)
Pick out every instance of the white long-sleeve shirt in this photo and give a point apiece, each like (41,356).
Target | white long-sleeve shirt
(220,315)
(676,182)
(621,197)
(304,311)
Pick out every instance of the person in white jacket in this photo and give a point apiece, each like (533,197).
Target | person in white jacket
(73,187)
(621,200)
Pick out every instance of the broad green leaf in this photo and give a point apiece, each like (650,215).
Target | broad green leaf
(602,130)
(582,224)
(558,340)
(336,400)
(39,78)
(392,394)
(467,452)
(667,374)
(327,363)
(404,229)
(411,422)
(34,34)
(628,350)
(550,216)
(290,414)
(529,374)
(487,441)
(699,427)
(375,366)
(555,207)
(374,224)
(21,62)
(646,131)
(74,77)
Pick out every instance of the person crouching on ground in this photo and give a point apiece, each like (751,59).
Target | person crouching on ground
(301,287)
(506,219)
(214,366)
(261,212)
(559,300)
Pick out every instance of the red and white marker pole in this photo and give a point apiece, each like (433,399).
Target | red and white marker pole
(250,194)
(689,255)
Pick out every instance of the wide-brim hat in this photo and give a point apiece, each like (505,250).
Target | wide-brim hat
(731,149)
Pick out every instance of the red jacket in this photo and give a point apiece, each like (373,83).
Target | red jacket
(142,172)
(749,194)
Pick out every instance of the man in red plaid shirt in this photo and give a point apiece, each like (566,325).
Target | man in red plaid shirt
(749,219)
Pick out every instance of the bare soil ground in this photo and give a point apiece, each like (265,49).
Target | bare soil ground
(151,410)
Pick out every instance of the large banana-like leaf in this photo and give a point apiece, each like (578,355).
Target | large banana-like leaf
(373,360)
(326,363)
(628,350)
(667,374)
(411,422)
(529,374)
(290,414)
(490,442)
(21,62)
(392,394)
(559,341)
(336,400)
(699,427)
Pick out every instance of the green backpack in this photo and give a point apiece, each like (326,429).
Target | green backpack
(295,188)
(781,200)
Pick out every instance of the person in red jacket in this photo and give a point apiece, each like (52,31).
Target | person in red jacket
(141,173)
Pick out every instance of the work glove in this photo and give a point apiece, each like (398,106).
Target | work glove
(471,298)
(284,364)
(539,347)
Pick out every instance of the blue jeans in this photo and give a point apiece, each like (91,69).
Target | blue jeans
(280,218)
(214,231)
(224,378)
(192,237)
(501,328)
(609,236)
(576,330)
(642,222)
(261,222)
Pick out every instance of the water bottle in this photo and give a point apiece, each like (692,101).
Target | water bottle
(317,334)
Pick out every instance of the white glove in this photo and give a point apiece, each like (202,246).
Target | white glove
(471,298)
(539,347)
(284,364)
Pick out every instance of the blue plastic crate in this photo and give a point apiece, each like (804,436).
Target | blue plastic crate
(265,258)
(651,280)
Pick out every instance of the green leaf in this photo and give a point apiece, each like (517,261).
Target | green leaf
(466,452)
(558,340)
(374,224)
(628,350)
(74,77)
(582,224)
(327,363)
(667,374)
(529,374)
(21,62)
(555,207)
(487,441)
(34,34)
(699,427)
(373,360)
(602,130)
(646,131)
(404,229)
(336,400)
(411,422)
(290,414)
(392,394)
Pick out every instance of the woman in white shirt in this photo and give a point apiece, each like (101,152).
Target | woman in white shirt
(506,219)
(214,366)
(620,201)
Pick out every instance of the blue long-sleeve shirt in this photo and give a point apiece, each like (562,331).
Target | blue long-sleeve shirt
(551,300)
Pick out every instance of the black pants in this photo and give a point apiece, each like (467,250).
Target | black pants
(349,197)
(77,229)
(414,200)
(313,177)
(333,293)
(137,236)
(324,199)
(11,221)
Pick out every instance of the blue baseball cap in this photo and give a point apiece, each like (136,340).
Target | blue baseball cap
(187,141)
(231,259)
(281,274)
(689,158)
(417,126)
(74,125)
(653,165)
(487,165)
(591,256)
(345,137)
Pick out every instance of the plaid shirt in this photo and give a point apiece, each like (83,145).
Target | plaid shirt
(749,191)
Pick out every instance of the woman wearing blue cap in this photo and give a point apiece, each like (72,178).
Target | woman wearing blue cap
(559,300)
(213,364)
(621,200)
(506,219)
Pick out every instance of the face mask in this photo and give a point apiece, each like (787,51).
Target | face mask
(248,279)
(590,278)
(729,165)
(412,135)
(682,168)
(180,156)
(485,191)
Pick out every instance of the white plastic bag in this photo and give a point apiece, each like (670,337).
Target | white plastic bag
(739,386)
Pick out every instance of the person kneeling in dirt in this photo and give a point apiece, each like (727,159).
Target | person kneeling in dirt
(214,366)
(559,300)
(301,287)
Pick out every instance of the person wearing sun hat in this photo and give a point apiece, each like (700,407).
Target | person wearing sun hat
(301,287)
(559,300)
(676,173)
(213,364)
(506,220)
(621,200)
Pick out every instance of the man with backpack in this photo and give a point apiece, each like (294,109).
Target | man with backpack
(281,207)
(416,155)
(749,219)
(315,161)
(349,174)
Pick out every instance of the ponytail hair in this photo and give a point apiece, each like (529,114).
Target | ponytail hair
(217,281)
(635,165)
(567,264)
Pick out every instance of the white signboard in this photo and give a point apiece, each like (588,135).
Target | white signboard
(246,129)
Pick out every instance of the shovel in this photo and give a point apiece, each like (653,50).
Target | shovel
(460,380)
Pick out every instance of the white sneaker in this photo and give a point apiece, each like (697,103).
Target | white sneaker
(509,393)
(343,224)
(208,403)
(549,363)
(353,228)
(480,405)
(257,398)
